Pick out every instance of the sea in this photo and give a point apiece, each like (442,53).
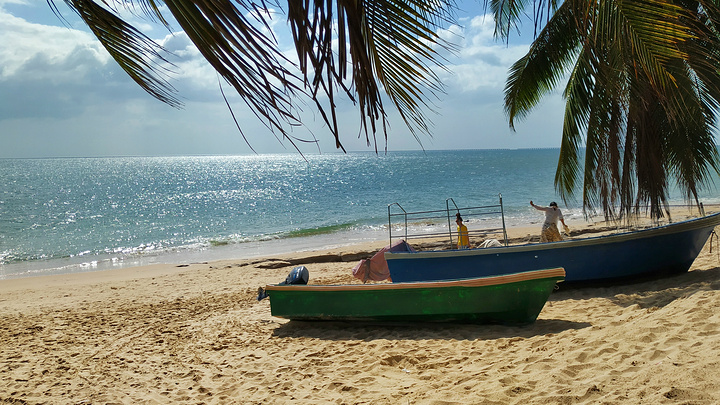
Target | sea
(71,215)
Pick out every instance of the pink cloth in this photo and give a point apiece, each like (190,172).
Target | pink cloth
(376,267)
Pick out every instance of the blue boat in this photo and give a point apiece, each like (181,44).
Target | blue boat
(617,258)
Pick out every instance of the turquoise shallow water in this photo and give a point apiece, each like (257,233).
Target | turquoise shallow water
(71,215)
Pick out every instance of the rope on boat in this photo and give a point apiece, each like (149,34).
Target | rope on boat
(713,234)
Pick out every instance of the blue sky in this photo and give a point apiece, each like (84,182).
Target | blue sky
(62,95)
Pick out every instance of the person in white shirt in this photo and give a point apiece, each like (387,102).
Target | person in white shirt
(550,231)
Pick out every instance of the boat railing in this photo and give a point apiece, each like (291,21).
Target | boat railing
(400,221)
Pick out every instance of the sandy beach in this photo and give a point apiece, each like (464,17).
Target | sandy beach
(194,333)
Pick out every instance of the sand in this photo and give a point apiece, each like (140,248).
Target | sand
(195,333)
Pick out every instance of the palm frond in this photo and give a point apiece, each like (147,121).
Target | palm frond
(604,145)
(539,71)
(507,14)
(578,95)
(139,56)
(691,150)
(244,56)
(389,45)
(654,30)
(644,93)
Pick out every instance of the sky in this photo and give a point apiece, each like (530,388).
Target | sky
(62,95)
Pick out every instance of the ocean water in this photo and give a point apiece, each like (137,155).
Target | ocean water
(83,214)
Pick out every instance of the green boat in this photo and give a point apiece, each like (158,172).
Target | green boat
(515,298)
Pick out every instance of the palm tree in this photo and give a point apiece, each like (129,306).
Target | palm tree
(344,46)
(642,90)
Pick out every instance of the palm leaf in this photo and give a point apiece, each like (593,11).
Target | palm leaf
(387,43)
(245,57)
(539,71)
(383,45)
(643,95)
(578,95)
(140,57)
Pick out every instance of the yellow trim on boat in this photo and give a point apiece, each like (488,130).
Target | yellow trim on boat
(469,282)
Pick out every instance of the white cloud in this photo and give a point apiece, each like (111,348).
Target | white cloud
(482,63)
(4,2)
(45,70)
(22,42)
(192,72)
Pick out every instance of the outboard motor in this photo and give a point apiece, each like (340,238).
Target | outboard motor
(298,275)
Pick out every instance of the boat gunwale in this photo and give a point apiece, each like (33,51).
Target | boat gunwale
(558,273)
(669,229)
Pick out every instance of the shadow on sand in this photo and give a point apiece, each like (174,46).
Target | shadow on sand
(650,293)
(420,331)
(647,294)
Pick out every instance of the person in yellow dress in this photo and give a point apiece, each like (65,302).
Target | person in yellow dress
(463,237)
